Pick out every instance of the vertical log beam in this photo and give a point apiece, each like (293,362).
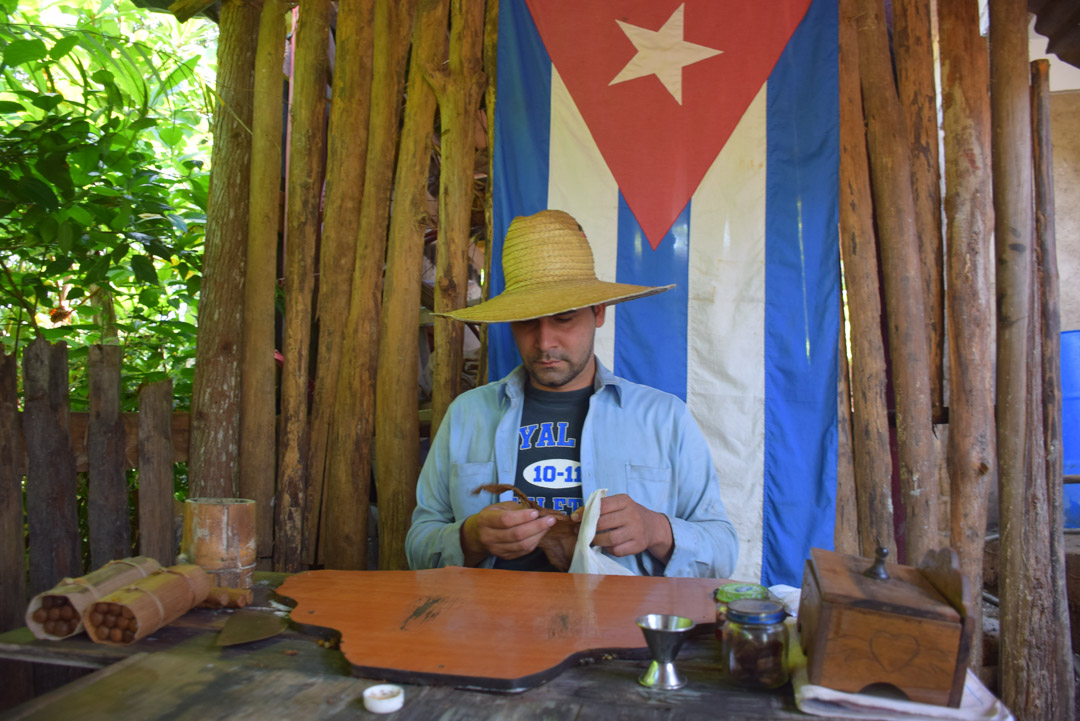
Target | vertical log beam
(107,495)
(846,532)
(12,543)
(890,167)
(352,428)
(302,217)
(858,247)
(215,400)
(491,41)
(971,453)
(51,506)
(258,417)
(459,90)
(914,50)
(157,538)
(347,147)
(397,443)
(1046,252)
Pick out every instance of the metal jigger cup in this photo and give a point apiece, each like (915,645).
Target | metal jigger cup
(665,634)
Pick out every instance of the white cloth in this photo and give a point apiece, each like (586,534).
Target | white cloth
(589,558)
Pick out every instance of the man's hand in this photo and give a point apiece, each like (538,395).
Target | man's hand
(625,528)
(505,530)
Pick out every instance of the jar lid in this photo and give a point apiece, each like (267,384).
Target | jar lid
(755,611)
(733,591)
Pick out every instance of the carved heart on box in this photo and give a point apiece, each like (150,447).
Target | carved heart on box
(893,651)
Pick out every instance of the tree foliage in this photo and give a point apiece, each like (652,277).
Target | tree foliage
(104,134)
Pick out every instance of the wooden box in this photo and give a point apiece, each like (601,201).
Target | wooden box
(909,630)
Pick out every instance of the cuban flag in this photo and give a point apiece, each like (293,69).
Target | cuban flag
(696,143)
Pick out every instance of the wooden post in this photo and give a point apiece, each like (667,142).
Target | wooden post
(1050,328)
(397,442)
(459,89)
(55,544)
(12,547)
(971,454)
(858,246)
(846,532)
(347,147)
(491,41)
(157,536)
(890,167)
(302,218)
(107,496)
(215,400)
(258,426)
(914,50)
(343,540)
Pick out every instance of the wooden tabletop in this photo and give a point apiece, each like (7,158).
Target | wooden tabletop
(180,673)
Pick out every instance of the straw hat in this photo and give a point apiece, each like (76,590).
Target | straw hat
(548,266)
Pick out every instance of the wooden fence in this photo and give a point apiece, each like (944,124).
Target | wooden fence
(50,446)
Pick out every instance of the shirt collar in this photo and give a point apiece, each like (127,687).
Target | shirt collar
(513,385)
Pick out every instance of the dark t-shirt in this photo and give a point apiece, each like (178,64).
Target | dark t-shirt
(549,458)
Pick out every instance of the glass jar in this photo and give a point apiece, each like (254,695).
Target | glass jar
(733,592)
(754,644)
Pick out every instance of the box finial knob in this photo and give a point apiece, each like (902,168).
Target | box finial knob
(877,568)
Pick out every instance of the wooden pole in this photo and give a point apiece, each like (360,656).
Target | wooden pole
(858,246)
(914,50)
(459,89)
(51,506)
(156,533)
(258,418)
(215,400)
(397,442)
(846,532)
(12,530)
(347,147)
(1050,327)
(971,455)
(890,167)
(491,39)
(307,155)
(349,466)
(107,495)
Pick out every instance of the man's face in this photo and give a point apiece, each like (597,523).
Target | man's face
(558,349)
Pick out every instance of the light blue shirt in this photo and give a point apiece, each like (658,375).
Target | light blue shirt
(636,440)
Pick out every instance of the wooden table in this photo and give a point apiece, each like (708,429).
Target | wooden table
(180,673)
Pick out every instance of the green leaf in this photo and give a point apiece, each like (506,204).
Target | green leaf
(23,51)
(148,296)
(143,268)
(10,106)
(171,135)
(35,191)
(81,216)
(143,123)
(48,101)
(63,46)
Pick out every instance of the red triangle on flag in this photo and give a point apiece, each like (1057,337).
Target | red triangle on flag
(676,100)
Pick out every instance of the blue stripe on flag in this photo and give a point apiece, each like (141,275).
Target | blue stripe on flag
(520,160)
(802,298)
(650,335)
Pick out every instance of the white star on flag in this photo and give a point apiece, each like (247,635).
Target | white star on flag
(662,53)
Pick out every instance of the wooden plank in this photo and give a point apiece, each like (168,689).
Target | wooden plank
(52,518)
(12,529)
(157,538)
(258,374)
(353,427)
(215,398)
(397,443)
(347,147)
(107,495)
(846,532)
(1050,360)
(307,156)
(858,248)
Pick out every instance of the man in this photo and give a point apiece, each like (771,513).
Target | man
(562,425)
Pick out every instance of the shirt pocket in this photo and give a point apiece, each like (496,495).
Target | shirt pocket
(650,486)
(466,478)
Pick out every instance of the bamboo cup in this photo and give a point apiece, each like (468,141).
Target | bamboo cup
(219,536)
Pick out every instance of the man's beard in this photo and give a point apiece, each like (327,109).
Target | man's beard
(555,377)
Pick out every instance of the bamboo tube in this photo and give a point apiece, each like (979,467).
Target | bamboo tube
(219,536)
(57,613)
(347,147)
(858,246)
(137,610)
(1050,327)
(890,167)
(397,444)
(344,538)
(971,454)
(215,397)
(307,153)
(258,427)
(913,48)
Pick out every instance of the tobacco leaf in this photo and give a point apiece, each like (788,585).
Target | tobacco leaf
(559,542)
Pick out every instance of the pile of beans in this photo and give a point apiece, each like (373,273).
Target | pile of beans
(113,622)
(57,616)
